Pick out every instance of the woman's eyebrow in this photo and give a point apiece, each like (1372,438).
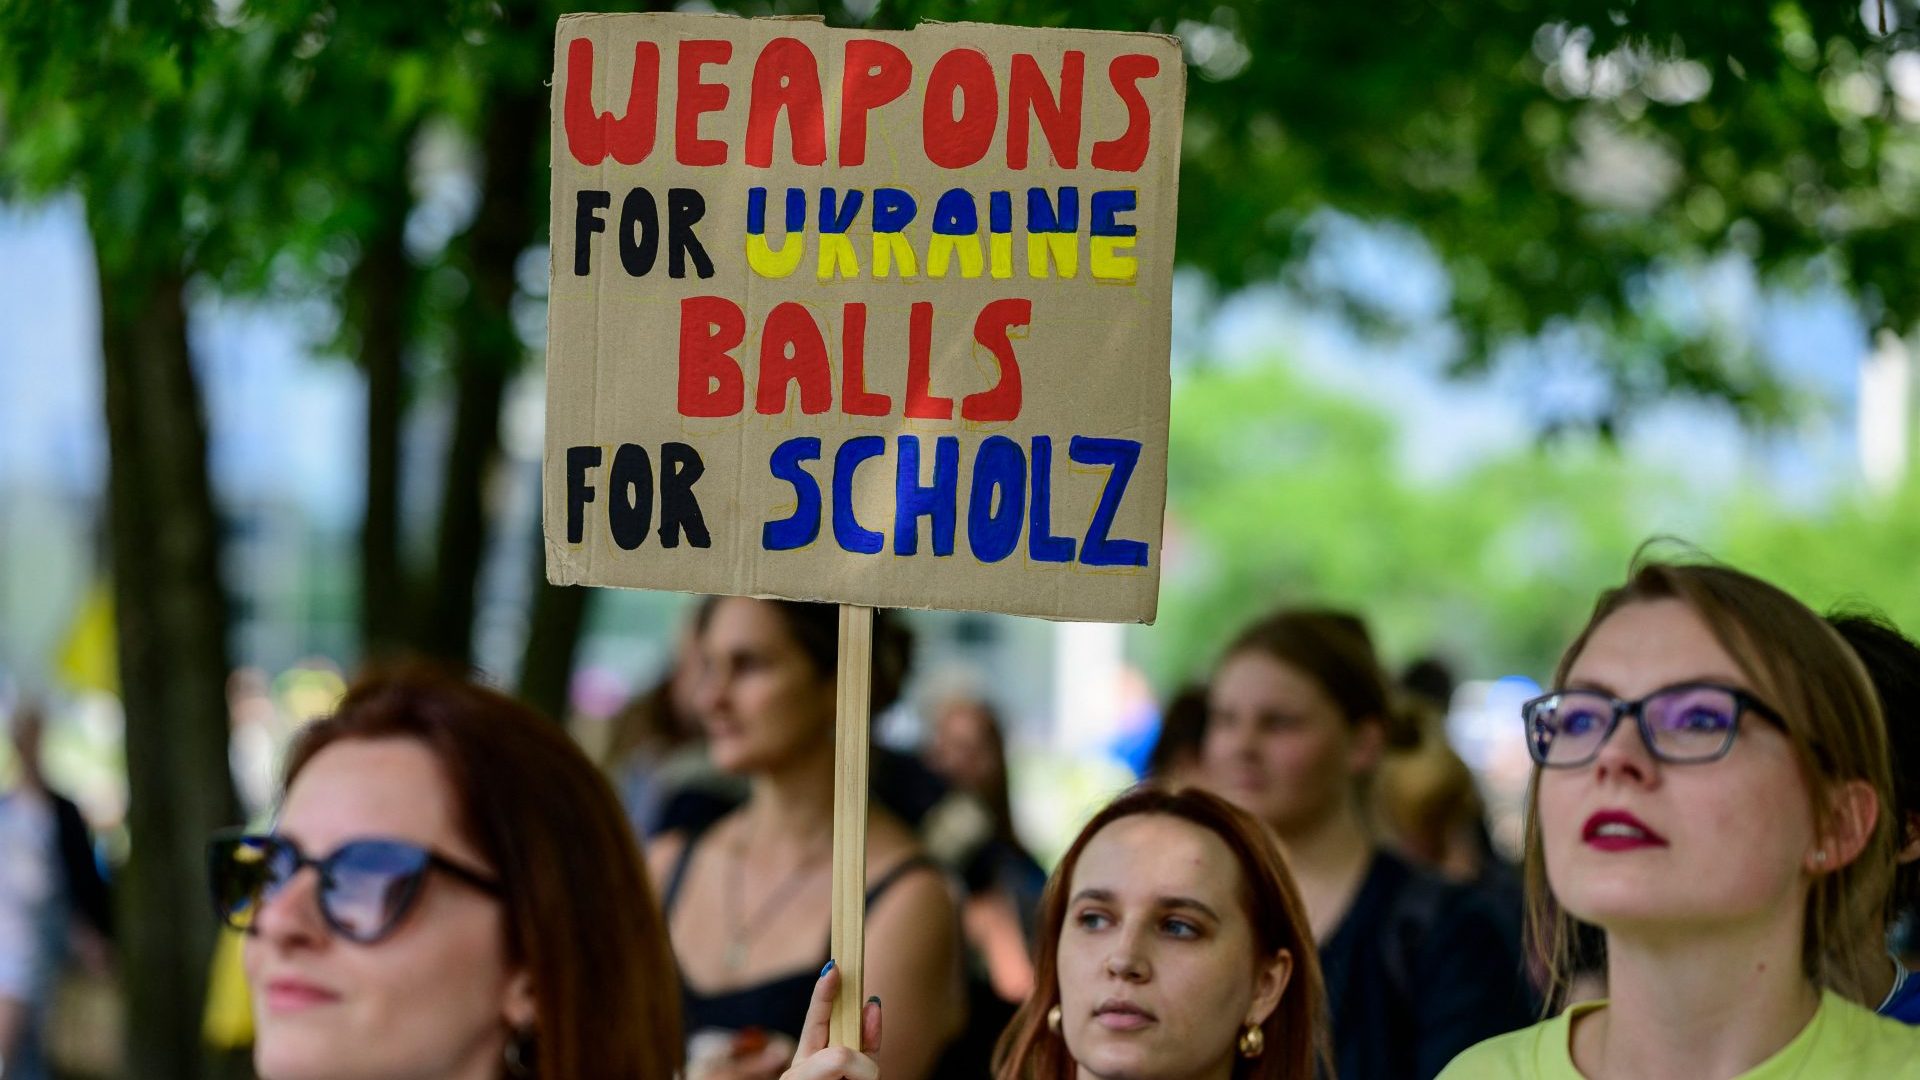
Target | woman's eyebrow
(1708,677)
(1188,903)
(1165,903)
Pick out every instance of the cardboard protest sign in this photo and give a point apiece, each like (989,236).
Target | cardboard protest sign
(870,317)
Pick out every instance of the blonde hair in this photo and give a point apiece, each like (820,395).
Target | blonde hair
(1795,662)
(1423,795)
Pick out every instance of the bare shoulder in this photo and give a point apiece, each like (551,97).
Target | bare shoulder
(921,900)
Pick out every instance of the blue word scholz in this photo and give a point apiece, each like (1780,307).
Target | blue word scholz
(1011,493)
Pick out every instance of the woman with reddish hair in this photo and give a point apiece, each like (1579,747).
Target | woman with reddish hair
(1172,945)
(476,908)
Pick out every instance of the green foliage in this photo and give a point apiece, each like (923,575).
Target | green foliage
(1284,493)
(1858,554)
(1558,155)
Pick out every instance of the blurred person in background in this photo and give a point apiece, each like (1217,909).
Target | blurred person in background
(87,897)
(477,907)
(1175,760)
(1428,808)
(748,898)
(684,792)
(1892,661)
(33,902)
(1417,969)
(1711,769)
(654,751)
(1430,681)
(1003,881)
(1429,801)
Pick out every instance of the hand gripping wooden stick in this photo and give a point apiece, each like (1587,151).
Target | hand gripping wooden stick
(850,821)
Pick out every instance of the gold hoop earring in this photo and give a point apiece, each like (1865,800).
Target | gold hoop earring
(1253,1042)
(1053,1019)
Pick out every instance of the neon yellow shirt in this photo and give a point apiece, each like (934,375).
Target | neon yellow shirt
(1842,1040)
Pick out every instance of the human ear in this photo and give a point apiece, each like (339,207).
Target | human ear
(518,1007)
(1852,810)
(1367,744)
(1269,984)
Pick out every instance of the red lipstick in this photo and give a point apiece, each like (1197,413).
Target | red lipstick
(1617,830)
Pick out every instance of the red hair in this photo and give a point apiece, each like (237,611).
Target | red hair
(580,915)
(1296,1035)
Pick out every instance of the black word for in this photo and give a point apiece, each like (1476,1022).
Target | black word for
(630,494)
(640,231)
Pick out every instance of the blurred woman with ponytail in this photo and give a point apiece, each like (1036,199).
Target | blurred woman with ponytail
(1299,715)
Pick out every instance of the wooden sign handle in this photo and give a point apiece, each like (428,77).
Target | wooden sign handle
(850,821)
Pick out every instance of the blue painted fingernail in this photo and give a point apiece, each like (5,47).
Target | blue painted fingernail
(874,1000)
(824,970)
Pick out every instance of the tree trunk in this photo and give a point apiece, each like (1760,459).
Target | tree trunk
(487,351)
(553,640)
(171,616)
(382,289)
(559,614)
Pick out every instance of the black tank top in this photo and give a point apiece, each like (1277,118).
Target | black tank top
(780,1003)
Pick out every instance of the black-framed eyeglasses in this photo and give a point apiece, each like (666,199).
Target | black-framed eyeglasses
(1684,724)
(366,886)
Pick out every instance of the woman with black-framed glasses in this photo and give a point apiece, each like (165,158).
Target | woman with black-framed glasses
(450,890)
(1709,778)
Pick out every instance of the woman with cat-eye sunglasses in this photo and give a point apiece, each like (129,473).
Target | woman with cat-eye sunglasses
(449,890)
(366,886)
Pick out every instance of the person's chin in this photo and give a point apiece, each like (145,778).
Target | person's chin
(298,1050)
(1241,793)
(1124,1056)
(735,757)
(1283,815)
(1619,905)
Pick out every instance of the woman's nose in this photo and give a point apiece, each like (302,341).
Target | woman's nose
(1128,961)
(291,913)
(1224,740)
(1624,756)
(708,688)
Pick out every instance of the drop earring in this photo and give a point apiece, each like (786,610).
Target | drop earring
(519,1054)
